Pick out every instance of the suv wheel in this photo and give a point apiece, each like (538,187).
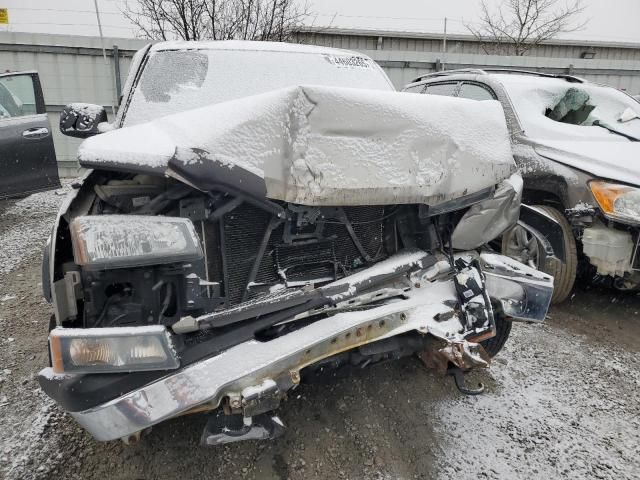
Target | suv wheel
(517,243)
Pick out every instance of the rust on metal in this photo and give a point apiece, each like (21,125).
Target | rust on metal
(463,355)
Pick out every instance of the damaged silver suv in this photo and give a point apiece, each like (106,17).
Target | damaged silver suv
(576,145)
(260,213)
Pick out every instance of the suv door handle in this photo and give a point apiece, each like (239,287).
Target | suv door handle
(36,132)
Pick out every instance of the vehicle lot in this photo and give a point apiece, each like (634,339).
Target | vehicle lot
(561,401)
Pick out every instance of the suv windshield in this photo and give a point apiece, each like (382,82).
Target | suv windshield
(557,109)
(174,81)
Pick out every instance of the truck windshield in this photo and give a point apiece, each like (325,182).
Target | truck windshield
(553,108)
(174,81)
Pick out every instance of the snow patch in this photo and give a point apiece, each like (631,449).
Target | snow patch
(317,145)
(89,110)
(29,223)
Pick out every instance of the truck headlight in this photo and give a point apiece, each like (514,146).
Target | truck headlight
(618,202)
(105,350)
(119,241)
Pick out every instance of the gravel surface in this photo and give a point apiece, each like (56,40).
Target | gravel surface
(25,225)
(561,402)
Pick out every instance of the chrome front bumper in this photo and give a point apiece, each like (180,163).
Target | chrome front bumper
(523,293)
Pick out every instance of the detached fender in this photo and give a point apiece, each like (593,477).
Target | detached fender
(488,219)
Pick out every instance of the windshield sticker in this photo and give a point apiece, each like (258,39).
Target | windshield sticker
(348,62)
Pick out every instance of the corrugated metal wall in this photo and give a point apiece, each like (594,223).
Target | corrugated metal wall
(405,57)
(72,68)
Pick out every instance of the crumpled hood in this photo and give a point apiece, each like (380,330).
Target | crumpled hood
(614,160)
(317,145)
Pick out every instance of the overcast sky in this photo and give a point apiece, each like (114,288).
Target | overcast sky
(610,20)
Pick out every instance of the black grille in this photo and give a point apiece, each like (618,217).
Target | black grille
(332,257)
(307,262)
(214,249)
(243,232)
(367,224)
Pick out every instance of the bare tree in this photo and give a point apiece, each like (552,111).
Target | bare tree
(217,19)
(516,26)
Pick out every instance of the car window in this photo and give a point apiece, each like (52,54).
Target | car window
(17,96)
(475,92)
(415,88)
(447,89)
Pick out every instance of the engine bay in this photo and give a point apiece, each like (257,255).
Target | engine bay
(250,249)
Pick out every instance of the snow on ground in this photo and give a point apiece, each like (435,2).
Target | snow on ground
(26,225)
(25,412)
(555,408)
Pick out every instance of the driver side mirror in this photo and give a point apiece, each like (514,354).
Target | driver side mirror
(81,120)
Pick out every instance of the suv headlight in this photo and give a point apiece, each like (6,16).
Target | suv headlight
(119,241)
(105,350)
(618,202)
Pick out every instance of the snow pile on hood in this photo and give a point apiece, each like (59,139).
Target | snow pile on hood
(318,145)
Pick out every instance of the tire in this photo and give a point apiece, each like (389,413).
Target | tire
(564,274)
(493,345)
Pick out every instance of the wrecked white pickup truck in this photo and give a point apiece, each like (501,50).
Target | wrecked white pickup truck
(305,218)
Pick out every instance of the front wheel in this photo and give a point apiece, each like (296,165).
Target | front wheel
(520,245)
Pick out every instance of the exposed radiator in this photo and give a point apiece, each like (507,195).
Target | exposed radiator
(312,261)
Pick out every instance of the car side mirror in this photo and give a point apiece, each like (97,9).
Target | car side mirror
(81,120)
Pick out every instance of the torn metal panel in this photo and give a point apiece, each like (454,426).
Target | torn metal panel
(522,292)
(489,218)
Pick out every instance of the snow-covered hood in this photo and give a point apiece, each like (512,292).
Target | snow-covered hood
(319,145)
(614,160)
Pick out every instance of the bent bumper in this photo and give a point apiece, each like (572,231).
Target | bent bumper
(427,307)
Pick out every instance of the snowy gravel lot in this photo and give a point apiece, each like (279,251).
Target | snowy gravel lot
(28,224)
(562,401)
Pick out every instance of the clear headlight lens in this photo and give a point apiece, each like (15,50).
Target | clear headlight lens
(103,350)
(117,241)
(619,202)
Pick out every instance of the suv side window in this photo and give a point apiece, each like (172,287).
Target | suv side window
(474,91)
(447,89)
(17,96)
(415,88)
